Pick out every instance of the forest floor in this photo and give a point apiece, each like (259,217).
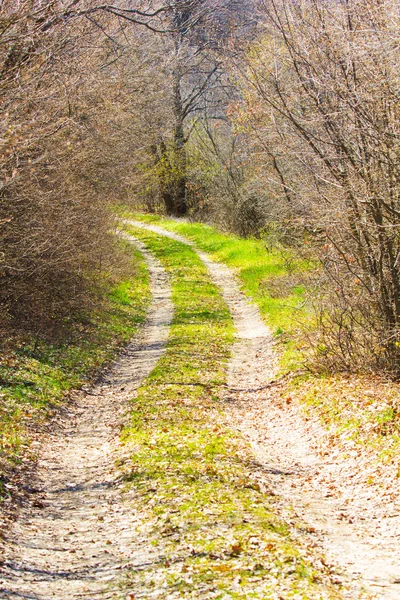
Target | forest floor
(184,506)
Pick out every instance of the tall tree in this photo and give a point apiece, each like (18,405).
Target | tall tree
(195,71)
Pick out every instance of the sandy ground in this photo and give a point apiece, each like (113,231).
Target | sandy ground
(357,525)
(80,529)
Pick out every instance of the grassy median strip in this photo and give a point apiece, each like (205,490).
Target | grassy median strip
(215,532)
(36,376)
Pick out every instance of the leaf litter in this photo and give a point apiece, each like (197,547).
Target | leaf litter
(82,530)
(147,539)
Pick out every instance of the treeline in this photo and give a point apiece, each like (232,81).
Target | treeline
(89,92)
(320,111)
(268,117)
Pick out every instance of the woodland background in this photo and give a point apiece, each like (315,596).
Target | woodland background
(270,118)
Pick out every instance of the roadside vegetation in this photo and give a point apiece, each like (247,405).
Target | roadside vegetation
(258,117)
(36,376)
(271,120)
(276,121)
(214,524)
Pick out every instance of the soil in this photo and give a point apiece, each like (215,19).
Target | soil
(80,528)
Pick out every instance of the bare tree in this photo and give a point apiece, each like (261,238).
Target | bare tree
(323,98)
(56,166)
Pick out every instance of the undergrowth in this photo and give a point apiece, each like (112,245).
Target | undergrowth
(215,531)
(36,376)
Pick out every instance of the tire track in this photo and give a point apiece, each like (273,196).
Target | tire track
(79,532)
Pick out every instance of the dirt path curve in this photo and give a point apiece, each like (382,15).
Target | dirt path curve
(285,448)
(80,529)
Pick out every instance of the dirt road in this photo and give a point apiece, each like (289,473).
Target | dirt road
(80,530)
(362,534)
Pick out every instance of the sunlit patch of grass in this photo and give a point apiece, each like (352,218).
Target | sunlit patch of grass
(217,532)
(36,376)
(364,410)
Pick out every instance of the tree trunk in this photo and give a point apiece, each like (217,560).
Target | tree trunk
(180,203)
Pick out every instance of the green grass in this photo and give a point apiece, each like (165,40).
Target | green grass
(273,279)
(359,411)
(36,376)
(215,532)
